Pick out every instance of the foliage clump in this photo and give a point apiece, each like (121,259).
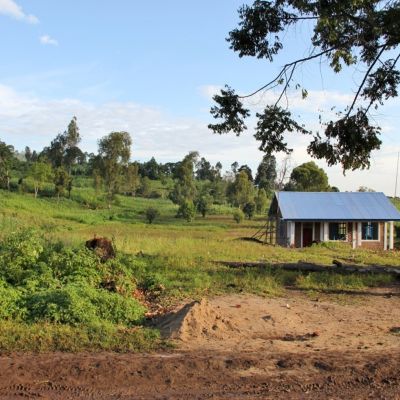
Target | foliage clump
(204,204)
(151,214)
(249,209)
(238,216)
(51,283)
(187,210)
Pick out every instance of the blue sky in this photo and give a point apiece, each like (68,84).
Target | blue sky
(151,68)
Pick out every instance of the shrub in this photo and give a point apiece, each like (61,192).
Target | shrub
(10,307)
(75,304)
(69,265)
(261,201)
(20,252)
(56,284)
(238,215)
(249,209)
(115,308)
(117,276)
(65,305)
(151,214)
(145,187)
(204,205)
(153,283)
(187,210)
(154,194)
(84,266)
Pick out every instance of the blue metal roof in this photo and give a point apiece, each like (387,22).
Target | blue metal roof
(335,206)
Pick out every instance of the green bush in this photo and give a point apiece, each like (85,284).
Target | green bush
(75,304)
(20,254)
(204,204)
(10,303)
(151,214)
(153,282)
(117,276)
(249,209)
(155,194)
(238,216)
(56,284)
(187,210)
(65,305)
(70,265)
(115,308)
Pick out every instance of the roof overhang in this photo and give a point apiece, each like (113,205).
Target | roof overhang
(338,220)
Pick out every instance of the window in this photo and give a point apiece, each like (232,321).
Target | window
(337,231)
(370,231)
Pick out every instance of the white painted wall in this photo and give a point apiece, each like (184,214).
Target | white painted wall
(391,235)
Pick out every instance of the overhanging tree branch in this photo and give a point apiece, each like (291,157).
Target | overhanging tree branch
(364,80)
(285,68)
(391,69)
(344,31)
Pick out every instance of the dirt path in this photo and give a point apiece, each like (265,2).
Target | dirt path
(236,347)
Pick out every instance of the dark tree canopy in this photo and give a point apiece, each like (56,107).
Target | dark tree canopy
(361,33)
(308,177)
(266,173)
(151,169)
(6,160)
(206,171)
(114,154)
(185,188)
(248,171)
(64,150)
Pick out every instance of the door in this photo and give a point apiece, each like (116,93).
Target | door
(307,236)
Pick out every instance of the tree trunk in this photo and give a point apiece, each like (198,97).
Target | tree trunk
(337,267)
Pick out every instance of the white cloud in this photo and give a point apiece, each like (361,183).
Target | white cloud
(47,40)
(26,120)
(12,9)
(208,91)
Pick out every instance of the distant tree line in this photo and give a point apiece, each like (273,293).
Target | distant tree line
(194,183)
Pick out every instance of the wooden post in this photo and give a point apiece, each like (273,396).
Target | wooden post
(354,235)
(391,235)
(359,233)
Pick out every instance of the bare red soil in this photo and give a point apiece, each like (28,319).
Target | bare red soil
(236,347)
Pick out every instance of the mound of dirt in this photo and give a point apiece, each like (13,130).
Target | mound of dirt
(194,321)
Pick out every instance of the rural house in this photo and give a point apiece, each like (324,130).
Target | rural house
(362,219)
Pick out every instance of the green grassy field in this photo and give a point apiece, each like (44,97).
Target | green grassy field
(176,261)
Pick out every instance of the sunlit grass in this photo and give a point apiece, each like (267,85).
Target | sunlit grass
(180,257)
(212,238)
(44,337)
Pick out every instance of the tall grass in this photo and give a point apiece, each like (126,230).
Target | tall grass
(179,261)
(44,337)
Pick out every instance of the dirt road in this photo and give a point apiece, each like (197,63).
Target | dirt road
(237,347)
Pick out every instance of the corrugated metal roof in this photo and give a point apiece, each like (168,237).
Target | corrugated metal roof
(336,206)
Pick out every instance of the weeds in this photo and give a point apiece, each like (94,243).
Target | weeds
(56,295)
